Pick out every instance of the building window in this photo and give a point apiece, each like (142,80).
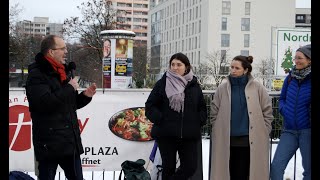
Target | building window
(223,56)
(226,7)
(186,30)
(182,45)
(247,8)
(300,18)
(196,42)
(245,24)
(244,52)
(225,40)
(246,40)
(224,68)
(197,12)
(224,24)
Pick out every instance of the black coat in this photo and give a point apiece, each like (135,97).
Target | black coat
(169,123)
(53,105)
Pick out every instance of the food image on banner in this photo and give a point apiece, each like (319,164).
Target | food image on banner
(131,124)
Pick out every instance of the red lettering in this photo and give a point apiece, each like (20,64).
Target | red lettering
(84,124)
(25,99)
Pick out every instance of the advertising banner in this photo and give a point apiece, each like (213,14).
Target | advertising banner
(113,129)
(288,41)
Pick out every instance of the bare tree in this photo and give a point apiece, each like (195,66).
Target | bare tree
(97,15)
(140,59)
(22,47)
(213,70)
(266,71)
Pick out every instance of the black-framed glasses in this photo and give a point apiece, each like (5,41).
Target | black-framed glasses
(62,48)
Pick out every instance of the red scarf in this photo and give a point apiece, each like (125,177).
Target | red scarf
(58,68)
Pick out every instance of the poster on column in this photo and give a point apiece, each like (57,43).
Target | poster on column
(106,63)
(123,64)
(113,129)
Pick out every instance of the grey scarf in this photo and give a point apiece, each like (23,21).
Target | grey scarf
(175,85)
(300,73)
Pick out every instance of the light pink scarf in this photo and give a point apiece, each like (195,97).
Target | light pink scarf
(175,85)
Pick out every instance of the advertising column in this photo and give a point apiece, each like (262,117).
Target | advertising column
(117,58)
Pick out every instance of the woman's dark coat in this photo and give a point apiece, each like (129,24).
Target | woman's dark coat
(169,123)
(53,106)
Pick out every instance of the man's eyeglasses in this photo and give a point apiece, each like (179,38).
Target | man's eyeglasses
(63,48)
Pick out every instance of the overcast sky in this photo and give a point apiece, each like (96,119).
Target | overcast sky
(58,10)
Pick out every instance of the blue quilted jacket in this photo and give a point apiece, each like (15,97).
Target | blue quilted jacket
(295,103)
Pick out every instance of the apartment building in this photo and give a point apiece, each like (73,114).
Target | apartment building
(40,26)
(303,17)
(133,15)
(200,27)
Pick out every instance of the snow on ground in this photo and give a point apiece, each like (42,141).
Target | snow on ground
(114,175)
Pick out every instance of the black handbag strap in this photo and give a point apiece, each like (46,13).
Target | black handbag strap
(120,174)
(159,167)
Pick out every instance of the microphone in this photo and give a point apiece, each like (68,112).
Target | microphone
(71,68)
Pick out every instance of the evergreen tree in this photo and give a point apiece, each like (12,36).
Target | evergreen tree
(287,63)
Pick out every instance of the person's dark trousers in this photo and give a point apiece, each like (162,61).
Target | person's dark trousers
(71,166)
(239,165)
(187,150)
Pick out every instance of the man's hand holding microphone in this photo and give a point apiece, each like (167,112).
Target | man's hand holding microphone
(90,91)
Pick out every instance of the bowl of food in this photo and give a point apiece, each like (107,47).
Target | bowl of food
(131,124)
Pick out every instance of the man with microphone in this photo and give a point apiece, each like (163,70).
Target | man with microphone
(53,100)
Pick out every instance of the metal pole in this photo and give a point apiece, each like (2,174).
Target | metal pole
(269,81)
(270,154)
(295,166)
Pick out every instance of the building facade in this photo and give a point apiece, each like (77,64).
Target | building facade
(40,26)
(132,15)
(303,17)
(202,27)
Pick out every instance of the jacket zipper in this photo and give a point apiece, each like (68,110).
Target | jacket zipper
(295,107)
(181,124)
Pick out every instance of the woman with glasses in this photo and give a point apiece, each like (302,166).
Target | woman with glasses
(295,107)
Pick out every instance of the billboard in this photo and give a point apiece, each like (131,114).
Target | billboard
(288,40)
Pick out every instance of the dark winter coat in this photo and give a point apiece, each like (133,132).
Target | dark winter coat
(295,103)
(53,105)
(169,123)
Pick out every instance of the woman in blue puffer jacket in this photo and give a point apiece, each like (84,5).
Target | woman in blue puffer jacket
(295,107)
